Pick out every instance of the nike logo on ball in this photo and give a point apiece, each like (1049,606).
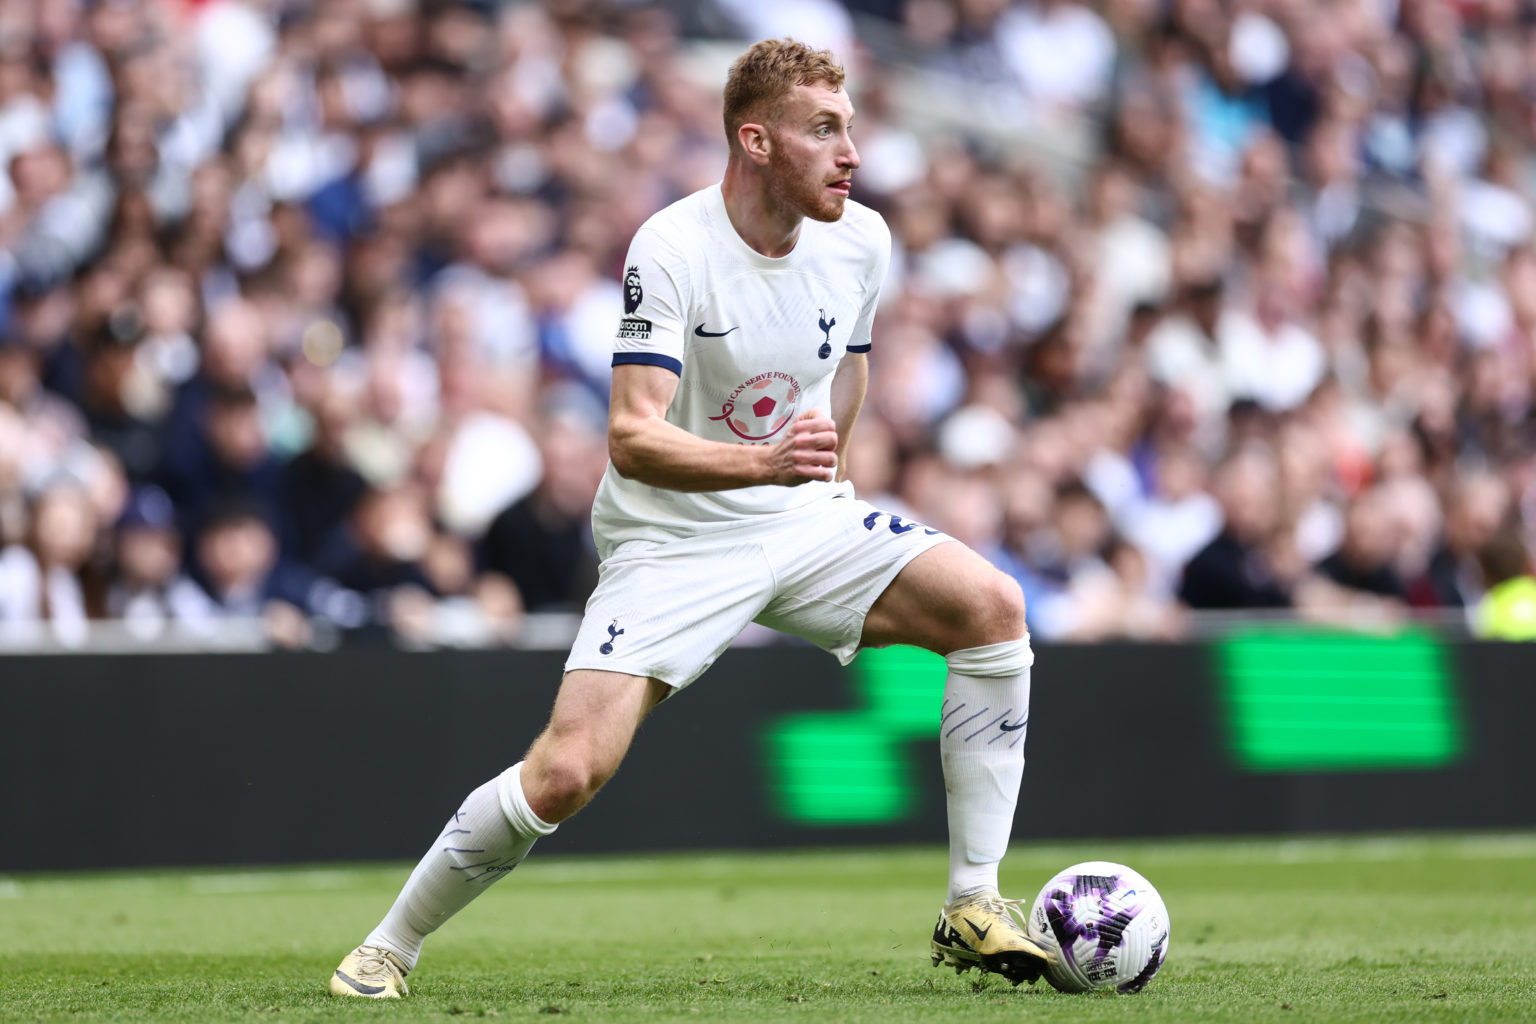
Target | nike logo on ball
(701,332)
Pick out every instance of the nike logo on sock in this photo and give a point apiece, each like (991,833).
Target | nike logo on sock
(701,332)
(1013,728)
(981,933)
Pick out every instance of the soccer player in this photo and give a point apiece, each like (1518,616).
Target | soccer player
(747,312)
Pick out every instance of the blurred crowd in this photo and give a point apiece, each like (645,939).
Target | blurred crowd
(1195,306)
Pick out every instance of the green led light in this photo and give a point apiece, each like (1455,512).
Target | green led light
(1311,700)
(1295,700)
(850,767)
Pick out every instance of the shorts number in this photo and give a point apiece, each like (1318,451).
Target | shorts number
(896,525)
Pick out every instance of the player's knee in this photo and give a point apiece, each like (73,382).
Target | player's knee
(582,776)
(568,779)
(999,610)
(561,795)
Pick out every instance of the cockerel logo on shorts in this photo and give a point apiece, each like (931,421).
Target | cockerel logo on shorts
(759,407)
(614,632)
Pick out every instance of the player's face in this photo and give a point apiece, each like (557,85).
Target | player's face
(813,157)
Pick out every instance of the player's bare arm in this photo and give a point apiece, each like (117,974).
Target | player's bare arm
(848,386)
(644,446)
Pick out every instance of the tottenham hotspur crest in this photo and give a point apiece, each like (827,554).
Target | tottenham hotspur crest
(633,293)
(614,632)
(826,324)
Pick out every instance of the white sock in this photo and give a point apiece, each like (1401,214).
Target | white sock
(481,844)
(981,743)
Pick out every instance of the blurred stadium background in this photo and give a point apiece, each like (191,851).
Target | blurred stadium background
(1214,324)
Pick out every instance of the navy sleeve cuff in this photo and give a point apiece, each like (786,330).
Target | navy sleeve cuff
(649,359)
(859,348)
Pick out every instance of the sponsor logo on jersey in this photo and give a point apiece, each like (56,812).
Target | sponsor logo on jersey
(633,293)
(760,406)
(702,333)
(637,327)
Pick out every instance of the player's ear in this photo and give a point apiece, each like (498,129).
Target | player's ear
(755,142)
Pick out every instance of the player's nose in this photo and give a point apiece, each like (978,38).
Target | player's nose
(850,157)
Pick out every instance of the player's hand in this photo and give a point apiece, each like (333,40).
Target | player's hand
(808,451)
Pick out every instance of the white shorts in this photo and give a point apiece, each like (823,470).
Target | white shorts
(668,609)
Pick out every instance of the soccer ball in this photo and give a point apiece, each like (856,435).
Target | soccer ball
(1105,926)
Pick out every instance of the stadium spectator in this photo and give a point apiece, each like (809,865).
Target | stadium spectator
(1184,353)
(321,485)
(1238,568)
(122,403)
(1308,487)
(1363,561)
(239,564)
(1061,51)
(236,356)
(1123,602)
(1073,563)
(230,461)
(1477,505)
(171,313)
(53,424)
(542,543)
(1507,611)
(13,510)
(50,578)
(1176,520)
(383,548)
(148,588)
(1266,356)
(480,458)
(1417,522)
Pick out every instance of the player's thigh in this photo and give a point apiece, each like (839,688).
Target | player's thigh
(596,715)
(946,599)
(589,732)
(831,563)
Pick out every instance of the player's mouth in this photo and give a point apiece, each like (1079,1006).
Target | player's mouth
(842,187)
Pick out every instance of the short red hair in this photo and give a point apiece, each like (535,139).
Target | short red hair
(765,74)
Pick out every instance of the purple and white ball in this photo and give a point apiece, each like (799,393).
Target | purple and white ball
(1106,926)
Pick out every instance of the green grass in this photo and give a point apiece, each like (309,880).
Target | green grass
(1393,929)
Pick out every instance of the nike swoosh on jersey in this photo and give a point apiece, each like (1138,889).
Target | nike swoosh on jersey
(701,332)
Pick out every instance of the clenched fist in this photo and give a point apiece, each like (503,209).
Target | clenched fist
(807,452)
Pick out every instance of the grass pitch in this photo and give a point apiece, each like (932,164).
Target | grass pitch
(1389,929)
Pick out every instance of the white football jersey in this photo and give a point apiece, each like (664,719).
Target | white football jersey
(754,341)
